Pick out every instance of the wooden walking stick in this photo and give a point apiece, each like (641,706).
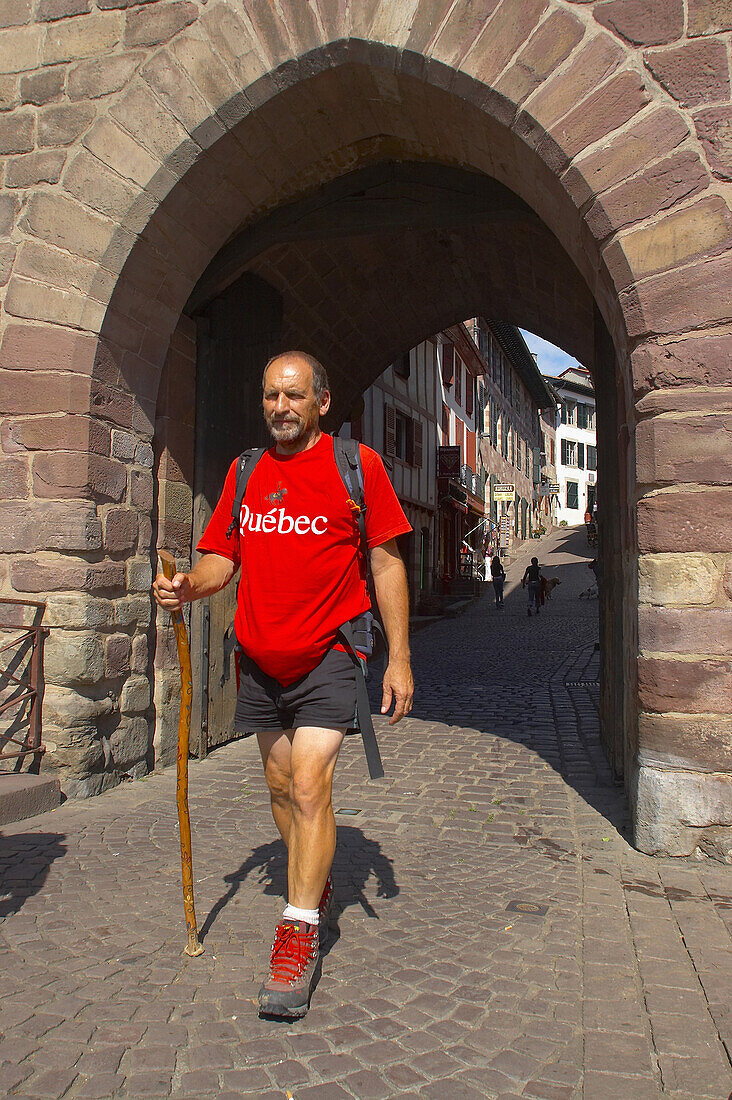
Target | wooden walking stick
(193,947)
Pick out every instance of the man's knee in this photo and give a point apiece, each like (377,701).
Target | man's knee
(310,792)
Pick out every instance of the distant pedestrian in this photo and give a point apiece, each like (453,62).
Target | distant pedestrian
(498,576)
(532,577)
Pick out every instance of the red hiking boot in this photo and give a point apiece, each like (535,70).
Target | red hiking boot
(292,970)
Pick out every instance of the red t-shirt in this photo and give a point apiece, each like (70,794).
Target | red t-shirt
(302,575)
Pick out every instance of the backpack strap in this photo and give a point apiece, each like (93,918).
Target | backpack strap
(363,707)
(347,454)
(245,466)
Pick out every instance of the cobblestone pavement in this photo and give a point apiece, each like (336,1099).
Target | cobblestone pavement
(437,985)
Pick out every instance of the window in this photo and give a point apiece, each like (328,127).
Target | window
(403,436)
(401,367)
(469,393)
(494,425)
(573,495)
(581,415)
(458,391)
(569,412)
(591,418)
(445,426)
(551,452)
(591,457)
(402,445)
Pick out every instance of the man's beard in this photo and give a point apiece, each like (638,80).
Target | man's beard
(288,432)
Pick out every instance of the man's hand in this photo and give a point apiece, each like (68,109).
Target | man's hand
(398,686)
(172,595)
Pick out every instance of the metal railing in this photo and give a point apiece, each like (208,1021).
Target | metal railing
(21,682)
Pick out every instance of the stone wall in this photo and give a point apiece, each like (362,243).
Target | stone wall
(138,139)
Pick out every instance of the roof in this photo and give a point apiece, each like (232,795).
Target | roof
(523,361)
(557,385)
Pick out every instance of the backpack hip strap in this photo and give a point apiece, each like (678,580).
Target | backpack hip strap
(363,708)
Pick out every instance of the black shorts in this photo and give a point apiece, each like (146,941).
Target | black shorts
(325,697)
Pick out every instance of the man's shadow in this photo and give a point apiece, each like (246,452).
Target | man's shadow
(25,860)
(357,858)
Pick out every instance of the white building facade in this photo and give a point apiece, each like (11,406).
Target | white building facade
(576,446)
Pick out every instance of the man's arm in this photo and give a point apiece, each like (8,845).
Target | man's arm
(212,573)
(392,597)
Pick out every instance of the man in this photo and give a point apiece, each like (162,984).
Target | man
(532,576)
(302,576)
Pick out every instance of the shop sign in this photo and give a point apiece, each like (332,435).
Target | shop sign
(546,490)
(448,462)
(504,492)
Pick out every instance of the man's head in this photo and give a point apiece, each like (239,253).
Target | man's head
(534,561)
(295,395)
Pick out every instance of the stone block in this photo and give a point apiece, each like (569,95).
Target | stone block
(144,538)
(76,38)
(65,223)
(62,474)
(714,127)
(120,530)
(17,132)
(107,141)
(699,742)
(49,10)
(671,522)
(685,630)
(144,455)
(30,392)
(139,575)
(13,13)
(695,685)
(54,268)
(9,208)
(9,95)
(54,573)
(77,610)
(26,527)
(73,657)
(550,45)
(33,168)
(141,489)
(695,73)
(153,25)
(14,478)
(693,361)
(101,75)
(175,90)
(511,24)
(67,708)
(702,229)
(50,433)
(681,580)
(642,22)
(657,188)
(206,71)
(63,125)
(27,298)
(46,348)
(117,650)
(674,808)
(685,449)
(694,296)
(19,49)
(130,741)
(140,658)
(708,17)
(124,445)
(133,611)
(135,697)
(42,87)
(167,703)
(589,68)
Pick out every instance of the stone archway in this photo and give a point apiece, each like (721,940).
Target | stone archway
(165,130)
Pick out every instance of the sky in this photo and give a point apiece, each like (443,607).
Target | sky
(552,360)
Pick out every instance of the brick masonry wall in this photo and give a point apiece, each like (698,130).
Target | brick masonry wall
(136,138)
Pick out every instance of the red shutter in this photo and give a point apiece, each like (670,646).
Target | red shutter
(469,388)
(417,443)
(448,364)
(459,438)
(389,430)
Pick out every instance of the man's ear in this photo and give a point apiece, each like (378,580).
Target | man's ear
(324,402)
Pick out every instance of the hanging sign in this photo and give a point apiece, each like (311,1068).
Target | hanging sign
(448,462)
(504,492)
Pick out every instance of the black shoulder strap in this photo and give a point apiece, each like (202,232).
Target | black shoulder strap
(247,461)
(347,453)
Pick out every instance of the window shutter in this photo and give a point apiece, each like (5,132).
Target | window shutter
(581,456)
(417,443)
(458,381)
(448,364)
(389,430)
(446,424)
(564,453)
(469,393)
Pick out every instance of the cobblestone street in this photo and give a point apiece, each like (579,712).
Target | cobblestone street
(437,984)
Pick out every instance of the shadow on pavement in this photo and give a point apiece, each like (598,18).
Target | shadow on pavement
(25,860)
(357,859)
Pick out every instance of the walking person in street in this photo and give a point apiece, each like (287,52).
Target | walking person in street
(302,553)
(498,576)
(532,577)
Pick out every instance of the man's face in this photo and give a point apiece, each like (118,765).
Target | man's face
(291,409)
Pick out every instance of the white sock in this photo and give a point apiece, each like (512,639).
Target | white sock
(310,916)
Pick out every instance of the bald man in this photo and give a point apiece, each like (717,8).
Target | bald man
(303,575)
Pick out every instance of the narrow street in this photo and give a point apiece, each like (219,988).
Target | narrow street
(498,936)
